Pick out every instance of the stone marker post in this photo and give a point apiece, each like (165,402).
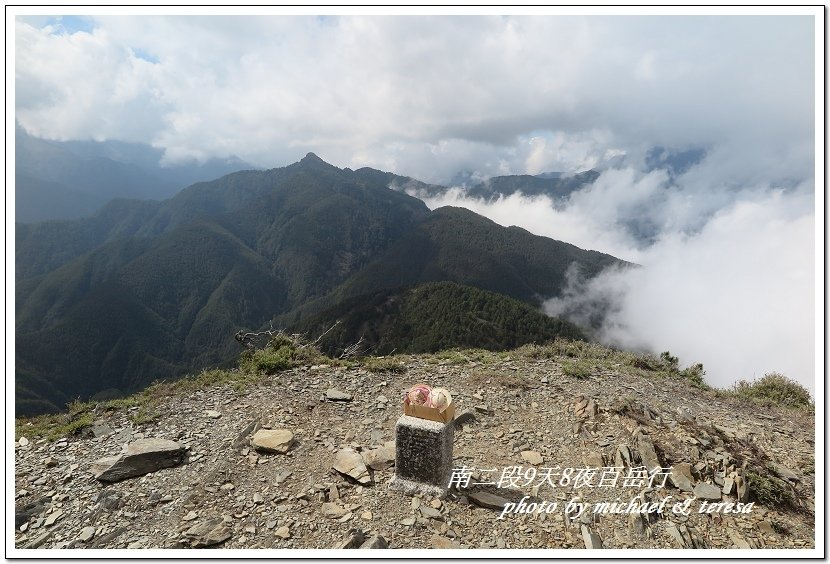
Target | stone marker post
(423,456)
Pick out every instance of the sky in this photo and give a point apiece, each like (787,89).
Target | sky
(728,271)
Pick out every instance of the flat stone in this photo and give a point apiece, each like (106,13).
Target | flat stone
(647,453)
(430,513)
(333,510)
(283,533)
(532,457)
(681,476)
(464,418)
(380,458)
(22,514)
(375,541)
(23,441)
(273,440)
(349,463)
(213,414)
(728,485)
(353,539)
(86,534)
(678,537)
(785,473)
(142,457)
(488,500)
(190,516)
(52,517)
(333,394)
(594,460)
(590,538)
(208,533)
(707,491)
(366,516)
(438,541)
(101,429)
(408,521)
(766,528)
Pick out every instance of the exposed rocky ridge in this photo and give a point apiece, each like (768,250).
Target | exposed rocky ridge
(518,412)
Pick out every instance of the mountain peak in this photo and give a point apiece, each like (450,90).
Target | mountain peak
(312,158)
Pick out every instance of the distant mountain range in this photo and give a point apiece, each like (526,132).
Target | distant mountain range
(73,179)
(146,290)
(556,185)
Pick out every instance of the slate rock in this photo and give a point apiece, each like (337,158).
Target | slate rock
(647,453)
(707,491)
(532,457)
(430,513)
(273,440)
(86,534)
(208,533)
(488,500)
(353,539)
(349,463)
(785,473)
(375,541)
(438,541)
(594,460)
(142,457)
(333,510)
(380,458)
(333,394)
(591,539)
(681,476)
(25,512)
(464,418)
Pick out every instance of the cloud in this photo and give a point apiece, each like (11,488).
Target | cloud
(728,281)
(380,90)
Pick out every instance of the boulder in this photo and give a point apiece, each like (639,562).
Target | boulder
(142,457)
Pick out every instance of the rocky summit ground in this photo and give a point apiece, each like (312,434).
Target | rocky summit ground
(522,414)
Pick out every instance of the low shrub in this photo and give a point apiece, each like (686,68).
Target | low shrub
(774,389)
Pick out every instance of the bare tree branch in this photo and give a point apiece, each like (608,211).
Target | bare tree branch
(355,349)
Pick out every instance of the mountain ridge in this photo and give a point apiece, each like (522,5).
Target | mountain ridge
(239,252)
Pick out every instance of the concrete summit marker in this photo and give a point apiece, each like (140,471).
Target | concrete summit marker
(423,456)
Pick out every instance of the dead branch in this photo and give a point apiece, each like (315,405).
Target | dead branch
(355,349)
